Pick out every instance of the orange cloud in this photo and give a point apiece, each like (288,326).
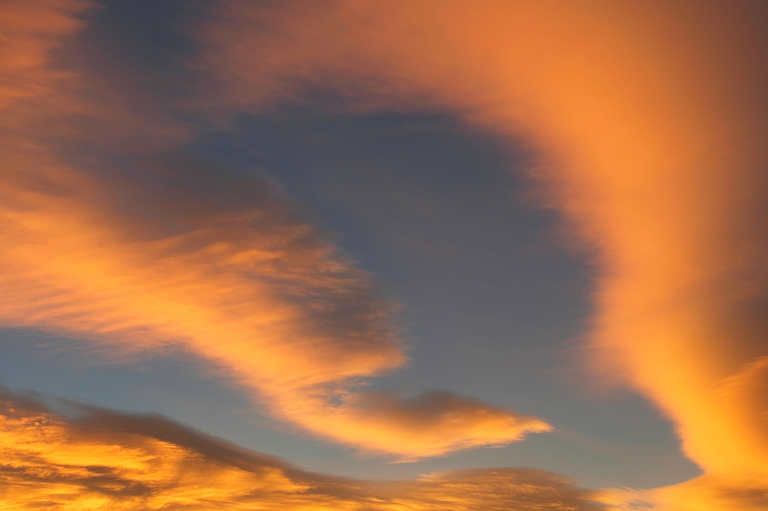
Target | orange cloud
(99,459)
(169,253)
(703,493)
(27,42)
(254,291)
(650,121)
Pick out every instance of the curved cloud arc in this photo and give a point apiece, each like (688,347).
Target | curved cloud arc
(163,252)
(650,119)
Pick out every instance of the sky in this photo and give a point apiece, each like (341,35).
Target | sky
(408,255)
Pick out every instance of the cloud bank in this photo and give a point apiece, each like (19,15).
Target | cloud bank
(109,236)
(93,458)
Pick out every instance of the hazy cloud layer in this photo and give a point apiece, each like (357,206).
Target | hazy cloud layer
(650,122)
(107,236)
(93,458)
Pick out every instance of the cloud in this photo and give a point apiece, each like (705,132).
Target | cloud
(649,120)
(117,240)
(28,41)
(90,458)
(703,493)
(650,124)
(246,286)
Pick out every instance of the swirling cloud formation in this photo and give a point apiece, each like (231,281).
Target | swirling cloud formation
(650,123)
(109,236)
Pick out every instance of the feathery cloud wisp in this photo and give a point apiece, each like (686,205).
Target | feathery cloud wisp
(157,252)
(650,120)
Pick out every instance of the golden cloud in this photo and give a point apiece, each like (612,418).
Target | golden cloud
(99,459)
(650,121)
(168,253)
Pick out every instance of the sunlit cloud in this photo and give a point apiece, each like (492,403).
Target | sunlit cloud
(90,458)
(164,253)
(27,42)
(704,493)
(649,121)
(256,292)
(650,124)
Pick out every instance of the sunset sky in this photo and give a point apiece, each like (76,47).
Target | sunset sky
(402,255)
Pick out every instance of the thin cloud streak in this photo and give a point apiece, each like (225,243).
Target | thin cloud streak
(161,253)
(650,122)
(92,458)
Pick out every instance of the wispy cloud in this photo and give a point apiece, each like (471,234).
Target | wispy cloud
(650,122)
(114,240)
(704,493)
(91,458)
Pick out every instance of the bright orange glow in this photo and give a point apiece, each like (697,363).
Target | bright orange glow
(256,294)
(247,286)
(105,460)
(650,122)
